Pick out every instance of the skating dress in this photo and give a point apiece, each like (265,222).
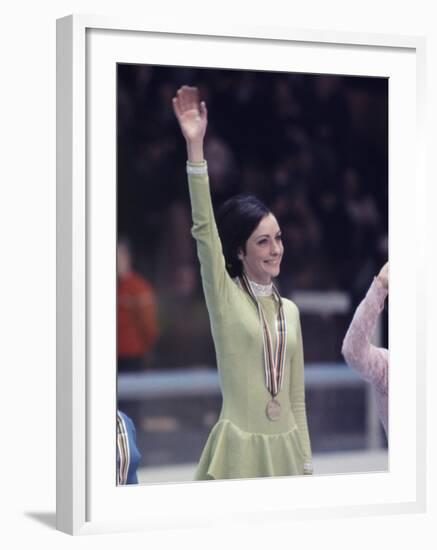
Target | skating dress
(245,443)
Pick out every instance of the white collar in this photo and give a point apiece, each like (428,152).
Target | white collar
(257,288)
(261,290)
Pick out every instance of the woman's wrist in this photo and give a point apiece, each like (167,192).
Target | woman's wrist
(195,151)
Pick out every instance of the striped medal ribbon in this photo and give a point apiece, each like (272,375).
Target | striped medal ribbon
(273,363)
(123,451)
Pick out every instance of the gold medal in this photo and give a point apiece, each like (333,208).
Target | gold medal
(273,410)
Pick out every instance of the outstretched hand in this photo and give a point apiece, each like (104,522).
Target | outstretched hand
(191,114)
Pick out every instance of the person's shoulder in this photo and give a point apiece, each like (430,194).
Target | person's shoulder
(290,306)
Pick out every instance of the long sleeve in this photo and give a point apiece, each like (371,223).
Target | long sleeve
(368,360)
(297,398)
(215,279)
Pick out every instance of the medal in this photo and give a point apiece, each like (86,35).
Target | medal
(273,363)
(273,409)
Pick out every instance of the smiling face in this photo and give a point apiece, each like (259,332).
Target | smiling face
(262,257)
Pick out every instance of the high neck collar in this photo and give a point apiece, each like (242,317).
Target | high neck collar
(261,290)
(258,289)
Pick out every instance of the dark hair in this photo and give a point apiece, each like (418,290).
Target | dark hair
(237,218)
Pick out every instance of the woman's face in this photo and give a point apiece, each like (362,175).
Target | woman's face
(264,250)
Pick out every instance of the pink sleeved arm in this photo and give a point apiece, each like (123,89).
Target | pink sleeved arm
(368,360)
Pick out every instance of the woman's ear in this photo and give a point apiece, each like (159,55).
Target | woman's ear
(240,254)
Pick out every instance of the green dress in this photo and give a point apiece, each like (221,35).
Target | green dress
(244,443)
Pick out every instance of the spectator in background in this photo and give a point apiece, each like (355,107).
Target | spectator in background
(137,325)
(369,361)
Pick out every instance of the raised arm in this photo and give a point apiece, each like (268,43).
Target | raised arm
(368,360)
(192,117)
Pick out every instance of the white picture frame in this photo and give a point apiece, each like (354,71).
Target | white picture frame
(403,488)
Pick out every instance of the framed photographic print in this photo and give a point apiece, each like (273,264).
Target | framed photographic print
(327,129)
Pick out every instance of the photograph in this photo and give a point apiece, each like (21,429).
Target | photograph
(252,266)
(220,230)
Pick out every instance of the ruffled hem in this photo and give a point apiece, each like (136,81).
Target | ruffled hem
(232,453)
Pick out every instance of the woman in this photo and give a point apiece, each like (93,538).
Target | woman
(370,361)
(262,429)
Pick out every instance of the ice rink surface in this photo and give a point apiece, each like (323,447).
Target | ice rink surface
(324,464)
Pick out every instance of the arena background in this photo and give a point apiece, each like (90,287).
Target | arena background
(315,149)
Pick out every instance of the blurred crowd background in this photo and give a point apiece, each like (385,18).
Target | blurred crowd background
(314,148)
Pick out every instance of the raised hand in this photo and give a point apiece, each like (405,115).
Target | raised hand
(383,275)
(191,115)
